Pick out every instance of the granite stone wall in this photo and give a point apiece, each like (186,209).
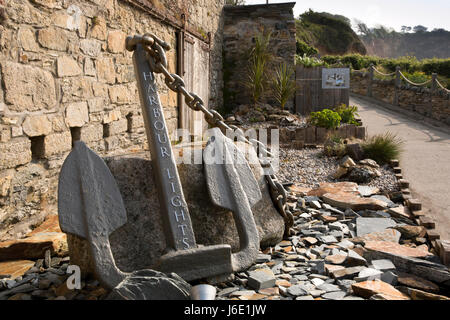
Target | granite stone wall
(434,104)
(65,75)
(242,25)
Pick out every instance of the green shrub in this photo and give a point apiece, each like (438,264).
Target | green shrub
(309,62)
(283,84)
(347,113)
(258,61)
(382,147)
(326,118)
(304,49)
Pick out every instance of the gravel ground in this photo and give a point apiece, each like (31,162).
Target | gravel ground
(309,167)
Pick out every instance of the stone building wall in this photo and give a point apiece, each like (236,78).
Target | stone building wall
(242,24)
(65,75)
(422,101)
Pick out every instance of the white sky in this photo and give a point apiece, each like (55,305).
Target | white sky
(390,13)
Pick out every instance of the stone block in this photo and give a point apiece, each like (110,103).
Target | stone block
(444,251)
(122,94)
(298,144)
(135,121)
(96,104)
(261,279)
(37,126)
(351,131)
(105,70)
(116,41)
(91,132)
(99,30)
(28,88)
(27,39)
(53,38)
(111,143)
(77,114)
(67,67)
(414,204)
(89,68)
(91,47)
(57,143)
(111,116)
(15,152)
(115,127)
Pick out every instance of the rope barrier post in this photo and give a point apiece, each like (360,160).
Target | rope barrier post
(397,85)
(369,85)
(432,91)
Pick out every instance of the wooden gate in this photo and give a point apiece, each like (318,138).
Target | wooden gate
(309,95)
(195,72)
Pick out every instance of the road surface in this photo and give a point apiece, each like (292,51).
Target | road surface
(425,160)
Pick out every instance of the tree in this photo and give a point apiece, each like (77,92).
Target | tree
(419,29)
(406,29)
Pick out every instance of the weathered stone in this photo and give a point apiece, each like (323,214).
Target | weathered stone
(369,288)
(411,232)
(352,201)
(296,290)
(57,143)
(37,126)
(396,249)
(50,224)
(53,38)
(355,151)
(367,191)
(105,70)
(336,258)
(115,127)
(354,259)
(261,279)
(27,39)
(369,225)
(77,114)
(383,264)
(91,132)
(15,269)
(368,274)
(91,47)
(400,211)
(122,94)
(390,235)
(422,295)
(15,152)
(413,281)
(34,247)
(116,41)
(151,285)
(67,67)
(28,88)
(99,30)
(336,295)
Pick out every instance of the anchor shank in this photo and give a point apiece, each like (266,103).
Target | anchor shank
(174,209)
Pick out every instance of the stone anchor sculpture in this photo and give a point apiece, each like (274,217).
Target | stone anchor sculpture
(91,207)
(183,255)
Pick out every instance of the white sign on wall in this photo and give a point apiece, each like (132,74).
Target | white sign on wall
(336,78)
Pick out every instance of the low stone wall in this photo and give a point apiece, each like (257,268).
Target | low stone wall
(426,102)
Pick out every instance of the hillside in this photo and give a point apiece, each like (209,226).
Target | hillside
(329,34)
(434,44)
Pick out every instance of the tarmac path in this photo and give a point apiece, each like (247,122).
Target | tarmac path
(425,161)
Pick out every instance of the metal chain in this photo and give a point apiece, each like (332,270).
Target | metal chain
(156,48)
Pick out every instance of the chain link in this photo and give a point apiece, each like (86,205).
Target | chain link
(156,48)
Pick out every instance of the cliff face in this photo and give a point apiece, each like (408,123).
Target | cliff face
(434,44)
(330,34)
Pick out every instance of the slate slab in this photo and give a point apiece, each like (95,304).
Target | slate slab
(369,225)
